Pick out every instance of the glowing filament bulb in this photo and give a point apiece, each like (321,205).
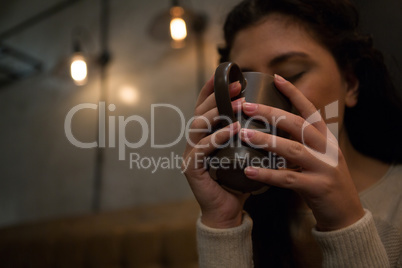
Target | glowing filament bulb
(178,29)
(78,69)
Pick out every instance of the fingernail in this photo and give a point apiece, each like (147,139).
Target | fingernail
(279,78)
(234,86)
(251,171)
(247,133)
(238,103)
(250,107)
(235,126)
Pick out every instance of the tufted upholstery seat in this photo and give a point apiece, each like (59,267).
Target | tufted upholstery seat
(150,236)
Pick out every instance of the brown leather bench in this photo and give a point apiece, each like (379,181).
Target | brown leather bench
(147,236)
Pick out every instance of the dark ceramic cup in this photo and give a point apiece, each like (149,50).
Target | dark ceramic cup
(227,163)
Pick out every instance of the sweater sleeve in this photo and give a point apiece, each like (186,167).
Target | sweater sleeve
(225,247)
(358,245)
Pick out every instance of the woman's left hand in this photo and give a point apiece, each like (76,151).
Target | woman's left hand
(324,182)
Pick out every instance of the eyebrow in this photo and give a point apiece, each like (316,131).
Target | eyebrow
(280,59)
(284,57)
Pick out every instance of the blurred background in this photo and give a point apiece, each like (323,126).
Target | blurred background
(132,63)
(43,175)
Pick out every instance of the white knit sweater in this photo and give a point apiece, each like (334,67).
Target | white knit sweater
(373,241)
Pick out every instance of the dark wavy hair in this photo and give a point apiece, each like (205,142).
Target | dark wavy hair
(373,125)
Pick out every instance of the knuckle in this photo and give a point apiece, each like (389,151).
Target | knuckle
(298,122)
(311,107)
(200,146)
(265,141)
(198,123)
(221,134)
(202,143)
(265,111)
(270,139)
(198,110)
(295,149)
(290,179)
(270,112)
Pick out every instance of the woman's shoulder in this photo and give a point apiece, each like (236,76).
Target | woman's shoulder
(391,181)
(384,199)
(393,177)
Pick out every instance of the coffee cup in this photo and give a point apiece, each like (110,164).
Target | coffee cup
(227,163)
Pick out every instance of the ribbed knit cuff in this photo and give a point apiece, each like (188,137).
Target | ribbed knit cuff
(225,247)
(357,245)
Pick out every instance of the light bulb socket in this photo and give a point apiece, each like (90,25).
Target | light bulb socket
(77,47)
(104,58)
(177,12)
(200,23)
(175,3)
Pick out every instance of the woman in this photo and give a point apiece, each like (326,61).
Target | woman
(353,207)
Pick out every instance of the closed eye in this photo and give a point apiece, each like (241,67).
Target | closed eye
(295,77)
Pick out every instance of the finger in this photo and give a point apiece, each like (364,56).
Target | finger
(301,103)
(210,102)
(211,117)
(211,142)
(297,181)
(294,125)
(203,125)
(289,149)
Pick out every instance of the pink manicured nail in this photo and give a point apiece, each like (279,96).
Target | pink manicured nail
(237,105)
(234,86)
(279,78)
(250,107)
(251,171)
(247,133)
(235,126)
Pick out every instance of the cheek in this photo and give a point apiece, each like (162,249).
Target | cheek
(322,93)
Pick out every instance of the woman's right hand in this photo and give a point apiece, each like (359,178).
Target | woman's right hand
(220,208)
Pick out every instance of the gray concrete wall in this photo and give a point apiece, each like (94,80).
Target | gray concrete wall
(42,175)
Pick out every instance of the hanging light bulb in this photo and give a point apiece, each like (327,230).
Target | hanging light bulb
(178,28)
(78,67)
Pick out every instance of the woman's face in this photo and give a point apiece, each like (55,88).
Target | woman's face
(277,45)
